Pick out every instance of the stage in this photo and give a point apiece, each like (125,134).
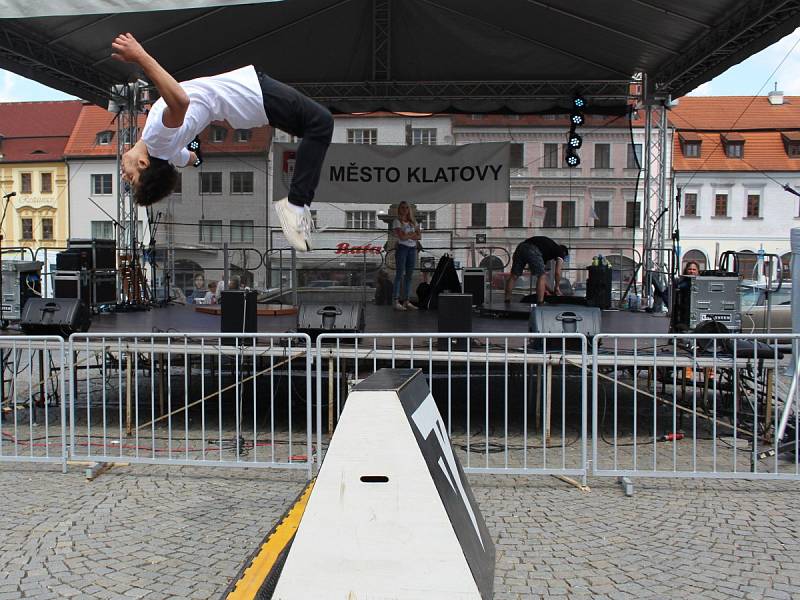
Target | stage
(177,318)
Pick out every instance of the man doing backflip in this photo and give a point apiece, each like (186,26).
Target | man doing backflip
(245,99)
(535,252)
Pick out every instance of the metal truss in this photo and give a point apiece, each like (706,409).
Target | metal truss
(655,255)
(754,20)
(21,48)
(381,40)
(595,91)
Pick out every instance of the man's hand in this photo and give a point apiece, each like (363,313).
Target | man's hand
(127,49)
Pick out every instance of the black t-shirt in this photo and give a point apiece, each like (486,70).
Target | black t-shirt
(547,247)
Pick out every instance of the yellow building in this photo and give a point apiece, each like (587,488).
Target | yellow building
(32,140)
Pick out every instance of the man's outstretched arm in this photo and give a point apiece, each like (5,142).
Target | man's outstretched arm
(127,49)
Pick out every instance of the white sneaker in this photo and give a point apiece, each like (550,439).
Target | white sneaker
(398,306)
(309,226)
(295,224)
(409,306)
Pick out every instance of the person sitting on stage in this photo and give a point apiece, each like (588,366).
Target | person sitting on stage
(211,294)
(245,99)
(408,234)
(535,252)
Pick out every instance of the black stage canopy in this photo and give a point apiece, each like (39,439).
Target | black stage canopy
(469,56)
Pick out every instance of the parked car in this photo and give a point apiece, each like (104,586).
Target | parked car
(754,308)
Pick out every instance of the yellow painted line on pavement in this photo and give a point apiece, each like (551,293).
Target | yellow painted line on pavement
(253,577)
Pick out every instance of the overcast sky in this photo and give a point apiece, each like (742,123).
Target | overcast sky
(748,78)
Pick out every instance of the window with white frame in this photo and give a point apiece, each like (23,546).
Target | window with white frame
(602,156)
(690,204)
(423,136)
(103,230)
(211,182)
(47,228)
(753,206)
(242,182)
(104,138)
(633,214)
(241,231)
(243,135)
(601,212)
(360,219)
(550,213)
(550,159)
(634,156)
(721,205)
(478,214)
(568,213)
(218,134)
(210,231)
(426,219)
(102,184)
(362,136)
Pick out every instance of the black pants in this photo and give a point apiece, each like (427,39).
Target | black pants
(292,112)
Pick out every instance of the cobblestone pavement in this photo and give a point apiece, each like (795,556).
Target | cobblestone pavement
(170,532)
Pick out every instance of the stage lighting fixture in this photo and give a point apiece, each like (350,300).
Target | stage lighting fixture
(579,102)
(572,159)
(577,119)
(574,140)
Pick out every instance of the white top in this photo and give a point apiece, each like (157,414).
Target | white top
(408,229)
(234,97)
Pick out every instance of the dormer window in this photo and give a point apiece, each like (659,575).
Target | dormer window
(791,142)
(690,144)
(243,135)
(104,138)
(218,134)
(733,144)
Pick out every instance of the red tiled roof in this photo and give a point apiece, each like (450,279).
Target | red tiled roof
(763,151)
(38,119)
(93,120)
(725,113)
(36,131)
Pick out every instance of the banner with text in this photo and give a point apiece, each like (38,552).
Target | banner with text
(421,174)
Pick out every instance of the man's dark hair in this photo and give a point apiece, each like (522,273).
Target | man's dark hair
(155,182)
(564,251)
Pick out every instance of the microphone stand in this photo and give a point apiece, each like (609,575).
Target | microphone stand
(7,197)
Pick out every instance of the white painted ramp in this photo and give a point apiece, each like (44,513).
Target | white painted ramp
(391,514)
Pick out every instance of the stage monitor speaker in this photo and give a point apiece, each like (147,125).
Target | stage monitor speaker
(564,319)
(598,286)
(455,316)
(344,317)
(59,316)
(239,313)
(475,284)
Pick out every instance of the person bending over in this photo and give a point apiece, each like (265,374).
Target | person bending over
(535,252)
(245,99)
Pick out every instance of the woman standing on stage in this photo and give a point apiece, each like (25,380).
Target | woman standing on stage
(408,234)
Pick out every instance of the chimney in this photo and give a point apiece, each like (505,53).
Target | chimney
(775,97)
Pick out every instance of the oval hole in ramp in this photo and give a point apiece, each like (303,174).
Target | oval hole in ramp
(374,479)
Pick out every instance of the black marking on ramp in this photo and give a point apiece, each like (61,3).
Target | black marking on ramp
(446,471)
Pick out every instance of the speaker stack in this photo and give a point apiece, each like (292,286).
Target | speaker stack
(86,271)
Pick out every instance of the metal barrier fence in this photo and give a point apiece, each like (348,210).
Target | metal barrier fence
(32,413)
(720,406)
(512,403)
(192,399)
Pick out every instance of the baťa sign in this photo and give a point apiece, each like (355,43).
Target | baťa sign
(364,173)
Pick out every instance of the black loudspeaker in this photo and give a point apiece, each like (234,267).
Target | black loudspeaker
(344,317)
(59,316)
(239,312)
(564,319)
(475,284)
(598,286)
(73,259)
(455,316)
(102,254)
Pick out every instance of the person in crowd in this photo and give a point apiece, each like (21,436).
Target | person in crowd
(534,253)
(408,233)
(211,294)
(691,268)
(199,290)
(243,98)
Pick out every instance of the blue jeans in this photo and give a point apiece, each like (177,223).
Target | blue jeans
(292,112)
(405,257)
